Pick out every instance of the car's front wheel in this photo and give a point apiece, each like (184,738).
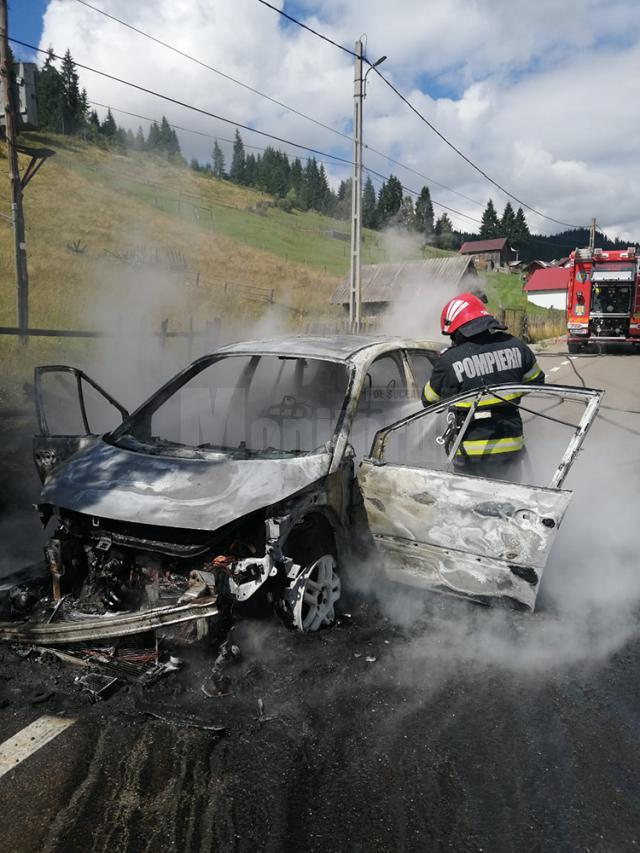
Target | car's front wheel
(311,598)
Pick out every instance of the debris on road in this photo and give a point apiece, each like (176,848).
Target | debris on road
(97,685)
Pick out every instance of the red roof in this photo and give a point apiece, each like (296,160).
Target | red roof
(483,246)
(549,278)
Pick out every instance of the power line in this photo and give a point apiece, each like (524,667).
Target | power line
(309,29)
(189,106)
(421,175)
(213,136)
(416,193)
(273,100)
(258,148)
(215,70)
(424,119)
(468,159)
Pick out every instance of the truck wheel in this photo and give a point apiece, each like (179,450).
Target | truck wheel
(574,348)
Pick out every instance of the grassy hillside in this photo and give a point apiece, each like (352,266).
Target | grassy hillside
(118,242)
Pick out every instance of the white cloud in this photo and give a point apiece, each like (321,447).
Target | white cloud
(542,95)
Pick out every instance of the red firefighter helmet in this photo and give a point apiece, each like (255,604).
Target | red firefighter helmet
(461,310)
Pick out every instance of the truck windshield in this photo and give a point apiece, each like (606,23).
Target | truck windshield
(245,406)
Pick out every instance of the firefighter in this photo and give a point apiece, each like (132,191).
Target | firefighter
(482,353)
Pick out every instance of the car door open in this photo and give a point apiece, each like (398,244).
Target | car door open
(72,410)
(484,538)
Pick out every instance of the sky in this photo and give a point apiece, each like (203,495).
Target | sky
(541,95)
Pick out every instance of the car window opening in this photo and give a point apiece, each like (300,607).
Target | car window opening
(245,407)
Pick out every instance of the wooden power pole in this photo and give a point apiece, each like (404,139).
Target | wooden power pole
(17,213)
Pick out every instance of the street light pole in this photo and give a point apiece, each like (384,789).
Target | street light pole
(355,289)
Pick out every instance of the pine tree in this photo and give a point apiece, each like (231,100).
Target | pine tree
(342,202)
(296,176)
(490,227)
(120,139)
(325,198)
(507,223)
(71,105)
(444,232)
(310,183)
(406,215)
(109,127)
(83,111)
(153,137)
(521,234)
(389,200)
(50,95)
(369,205)
(424,213)
(251,167)
(167,139)
(237,170)
(93,126)
(140,143)
(218,161)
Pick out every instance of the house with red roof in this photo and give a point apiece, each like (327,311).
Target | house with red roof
(548,287)
(490,253)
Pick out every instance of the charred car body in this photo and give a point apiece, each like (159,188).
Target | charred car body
(264,467)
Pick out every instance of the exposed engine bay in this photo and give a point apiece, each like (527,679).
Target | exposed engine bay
(100,567)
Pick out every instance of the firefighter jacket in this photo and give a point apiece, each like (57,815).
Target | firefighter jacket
(489,358)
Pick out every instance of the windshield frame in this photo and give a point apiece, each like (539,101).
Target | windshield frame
(145,411)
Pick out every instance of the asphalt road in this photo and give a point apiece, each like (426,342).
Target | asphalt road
(414,725)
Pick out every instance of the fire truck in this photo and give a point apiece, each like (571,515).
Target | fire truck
(603,298)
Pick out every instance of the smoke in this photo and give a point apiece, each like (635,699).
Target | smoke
(416,313)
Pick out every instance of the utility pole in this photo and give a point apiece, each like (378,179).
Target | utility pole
(17,213)
(355,291)
(592,234)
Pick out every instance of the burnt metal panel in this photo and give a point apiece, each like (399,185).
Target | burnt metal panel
(470,535)
(199,494)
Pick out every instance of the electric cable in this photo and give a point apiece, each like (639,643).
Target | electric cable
(310,29)
(274,100)
(258,148)
(422,118)
(186,55)
(187,106)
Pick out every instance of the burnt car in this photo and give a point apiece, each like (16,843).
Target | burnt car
(265,469)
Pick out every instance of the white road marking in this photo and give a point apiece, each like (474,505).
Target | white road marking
(564,362)
(30,739)
(553,369)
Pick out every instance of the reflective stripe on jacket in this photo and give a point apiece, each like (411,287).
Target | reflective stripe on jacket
(491,358)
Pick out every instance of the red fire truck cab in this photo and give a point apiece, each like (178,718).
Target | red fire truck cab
(603,298)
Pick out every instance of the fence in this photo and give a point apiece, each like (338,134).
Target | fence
(533,327)
(211,332)
(529,327)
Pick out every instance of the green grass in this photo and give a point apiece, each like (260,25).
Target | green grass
(215,206)
(505,291)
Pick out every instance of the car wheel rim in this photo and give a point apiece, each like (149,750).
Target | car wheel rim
(315,592)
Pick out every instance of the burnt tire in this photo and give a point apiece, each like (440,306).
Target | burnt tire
(308,603)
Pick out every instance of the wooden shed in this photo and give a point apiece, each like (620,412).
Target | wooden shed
(405,281)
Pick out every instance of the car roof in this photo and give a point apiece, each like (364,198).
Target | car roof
(336,347)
